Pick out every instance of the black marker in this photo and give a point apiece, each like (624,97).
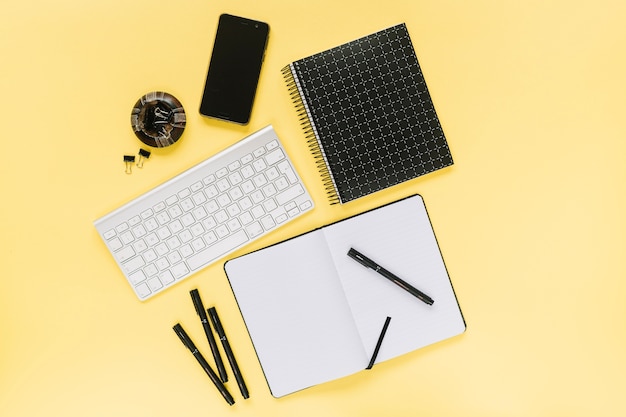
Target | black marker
(367,262)
(229,353)
(178,329)
(197,302)
(379,343)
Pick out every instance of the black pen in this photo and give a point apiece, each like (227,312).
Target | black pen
(367,262)
(197,302)
(178,329)
(229,352)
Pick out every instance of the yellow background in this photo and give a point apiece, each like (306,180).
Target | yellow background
(531,219)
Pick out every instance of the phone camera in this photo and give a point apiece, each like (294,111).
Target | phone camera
(256,25)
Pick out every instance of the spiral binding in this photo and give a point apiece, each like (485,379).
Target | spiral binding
(309,132)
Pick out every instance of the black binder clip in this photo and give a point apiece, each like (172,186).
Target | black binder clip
(143,156)
(129,160)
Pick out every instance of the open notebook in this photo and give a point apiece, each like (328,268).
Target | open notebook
(314,314)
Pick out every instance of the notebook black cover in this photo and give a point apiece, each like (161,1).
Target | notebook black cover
(368,115)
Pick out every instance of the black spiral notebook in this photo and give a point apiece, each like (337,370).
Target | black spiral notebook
(368,115)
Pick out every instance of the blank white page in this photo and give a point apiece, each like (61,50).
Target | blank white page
(400,238)
(296,313)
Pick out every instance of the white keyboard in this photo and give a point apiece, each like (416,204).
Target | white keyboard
(205,213)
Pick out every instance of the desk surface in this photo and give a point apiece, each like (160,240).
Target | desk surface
(531,218)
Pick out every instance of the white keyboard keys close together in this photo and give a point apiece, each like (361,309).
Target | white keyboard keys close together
(205,213)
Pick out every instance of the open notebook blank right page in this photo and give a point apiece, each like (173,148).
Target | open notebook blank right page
(400,238)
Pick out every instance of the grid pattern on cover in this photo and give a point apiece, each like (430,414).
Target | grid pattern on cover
(371,113)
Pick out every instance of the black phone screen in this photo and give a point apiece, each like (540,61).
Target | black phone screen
(234,69)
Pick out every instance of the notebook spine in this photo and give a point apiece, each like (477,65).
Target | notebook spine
(306,121)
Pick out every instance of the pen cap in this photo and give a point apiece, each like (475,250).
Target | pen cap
(216,321)
(197,302)
(178,329)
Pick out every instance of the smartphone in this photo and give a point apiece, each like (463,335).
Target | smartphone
(234,69)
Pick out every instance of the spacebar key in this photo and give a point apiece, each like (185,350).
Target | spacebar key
(217,250)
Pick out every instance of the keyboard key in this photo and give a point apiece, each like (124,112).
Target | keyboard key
(175,211)
(199,198)
(212,206)
(134,264)
(184,193)
(247,171)
(179,270)
(268,222)
(223,185)
(260,180)
(146,213)
(125,253)
(282,183)
(198,244)
(186,251)
(163,218)
(286,169)
(151,270)
(140,246)
(164,233)
(187,204)
(210,238)
(139,231)
(142,290)
(257,212)
(137,277)
(306,205)
(151,224)
(155,284)
(158,207)
(233,210)
(289,194)
(269,205)
(167,277)
(272,145)
(222,231)
(196,186)
(162,263)
(234,225)
(150,255)
(259,165)
(259,152)
(176,226)
(151,239)
(254,229)
(109,234)
(274,156)
(272,174)
(209,179)
(174,257)
(246,159)
(189,219)
(173,242)
(115,244)
(245,203)
(161,249)
(211,191)
(217,250)
(246,218)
